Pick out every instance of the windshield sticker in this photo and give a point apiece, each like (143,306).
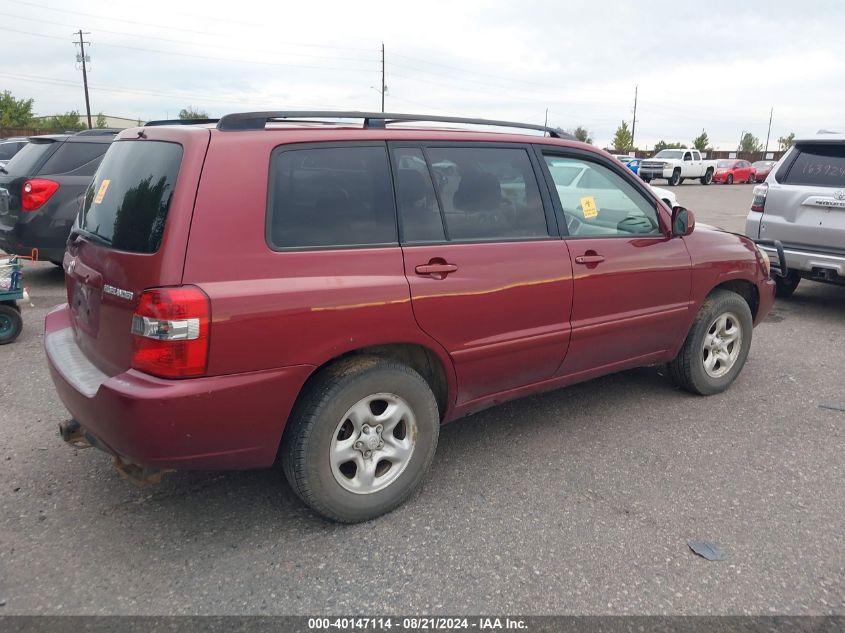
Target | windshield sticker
(588,207)
(101,193)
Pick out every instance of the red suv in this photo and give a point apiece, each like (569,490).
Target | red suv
(331,294)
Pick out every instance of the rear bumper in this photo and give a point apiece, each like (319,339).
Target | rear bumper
(809,261)
(47,235)
(219,422)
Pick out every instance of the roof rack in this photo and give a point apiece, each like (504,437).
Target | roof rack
(374,120)
(179,122)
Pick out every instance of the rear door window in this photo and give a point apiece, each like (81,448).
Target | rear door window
(77,159)
(818,166)
(416,198)
(126,205)
(488,193)
(334,196)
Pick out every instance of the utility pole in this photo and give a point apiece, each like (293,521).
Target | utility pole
(771,113)
(634,123)
(383,87)
(81,57)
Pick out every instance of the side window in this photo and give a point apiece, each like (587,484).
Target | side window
(487,193)
(597,202)
(415,197)
(332,196)
(696,156)
(75,159)
(687,156)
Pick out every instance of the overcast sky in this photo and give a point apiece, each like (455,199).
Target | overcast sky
(714,65)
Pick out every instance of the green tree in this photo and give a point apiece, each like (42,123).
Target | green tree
(67,121)
(749,143)
(622,139)
(192,113)
(659,145)
(701,141)
(583,134)
(15,112)
(785,142)
(101,120)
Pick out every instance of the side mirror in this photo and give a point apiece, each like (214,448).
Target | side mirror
(683,221)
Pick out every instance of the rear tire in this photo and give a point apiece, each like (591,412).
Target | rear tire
(730,179)
(348,458)
(11,324)
(785,286)
(707,178)
(750,180)
(716,347)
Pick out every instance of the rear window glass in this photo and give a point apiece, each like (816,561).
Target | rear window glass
(81,159)
(127,203)
(24,162)
(332,196)
(9,149)
(818,166)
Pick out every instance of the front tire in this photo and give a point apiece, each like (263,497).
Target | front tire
(11,324)
(707,178)
(716,347)
(785,286)
(730,179)
(361,438)
(675,178)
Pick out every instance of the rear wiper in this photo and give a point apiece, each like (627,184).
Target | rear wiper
(77,232)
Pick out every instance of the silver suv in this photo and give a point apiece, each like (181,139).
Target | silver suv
(802,204)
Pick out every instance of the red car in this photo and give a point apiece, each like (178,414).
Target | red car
(330,295)
(731,171)
(762,169)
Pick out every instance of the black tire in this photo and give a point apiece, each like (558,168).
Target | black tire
(785,286)
(11,324)
(687,369)
(730,179)
(57,263)
(707,178)
(750,180)
(646,179)
(675,179)
(681,181)
(323,405)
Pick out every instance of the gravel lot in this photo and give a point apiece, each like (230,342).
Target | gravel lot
(580,501)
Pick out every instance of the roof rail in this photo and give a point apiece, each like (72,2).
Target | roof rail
(179,122)
(379,120)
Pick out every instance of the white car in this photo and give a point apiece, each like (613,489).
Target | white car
(675,165)
(570,193)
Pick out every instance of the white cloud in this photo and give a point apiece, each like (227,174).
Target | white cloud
(710,65)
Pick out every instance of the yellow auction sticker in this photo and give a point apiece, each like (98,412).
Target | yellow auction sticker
(588,207)
(101,192)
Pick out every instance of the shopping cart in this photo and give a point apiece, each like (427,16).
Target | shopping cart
(12,291)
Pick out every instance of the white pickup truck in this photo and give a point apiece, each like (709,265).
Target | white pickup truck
(677,164)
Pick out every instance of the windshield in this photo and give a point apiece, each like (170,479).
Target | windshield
(670,153)
(725,164)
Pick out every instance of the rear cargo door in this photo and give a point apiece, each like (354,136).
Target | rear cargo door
(806,202)
(130,235)
(17,171)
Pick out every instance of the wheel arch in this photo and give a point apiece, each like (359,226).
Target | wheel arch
(745,289)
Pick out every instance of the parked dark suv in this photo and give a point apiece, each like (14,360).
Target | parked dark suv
(331,294)
(41,189)
(9,147)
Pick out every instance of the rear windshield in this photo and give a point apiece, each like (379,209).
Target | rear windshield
(126,205)
(818,166)
(24,162)
(9,149)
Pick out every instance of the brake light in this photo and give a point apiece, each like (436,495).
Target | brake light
(759,201)
(170,331)
(36,192)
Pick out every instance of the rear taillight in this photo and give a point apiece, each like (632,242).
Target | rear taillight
(170,330)
(759,201)
(36,192)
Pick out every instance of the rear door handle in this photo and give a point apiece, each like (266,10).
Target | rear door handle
(589,259)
